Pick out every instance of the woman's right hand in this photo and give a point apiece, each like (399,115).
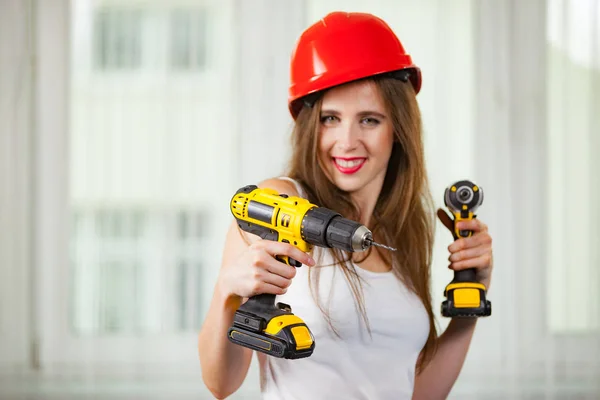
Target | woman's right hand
(257,271)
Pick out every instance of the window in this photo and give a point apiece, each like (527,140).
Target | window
(136,270)
(117,38)
(187,39)
(145,206)
(126,39)
(573,183)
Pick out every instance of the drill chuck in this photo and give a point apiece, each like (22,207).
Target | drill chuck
(325,228)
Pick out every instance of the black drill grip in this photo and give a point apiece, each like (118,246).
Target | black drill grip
(258,310)
(265,299)
(465,275)
(464,233)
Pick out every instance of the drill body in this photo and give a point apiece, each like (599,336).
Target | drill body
(465,296)
(259,323)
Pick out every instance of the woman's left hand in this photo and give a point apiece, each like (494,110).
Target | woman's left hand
(472,252)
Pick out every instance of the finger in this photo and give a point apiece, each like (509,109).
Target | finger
(286,249)
(478,239)
(482,261)
(277,280)
(445,219)
(281,269)
(267,288)
(468,253)
(474,225)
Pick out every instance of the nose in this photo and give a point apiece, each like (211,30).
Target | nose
(348,137)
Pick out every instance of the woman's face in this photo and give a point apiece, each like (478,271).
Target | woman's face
(356,137)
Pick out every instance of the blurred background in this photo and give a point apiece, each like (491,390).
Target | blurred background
(126,126)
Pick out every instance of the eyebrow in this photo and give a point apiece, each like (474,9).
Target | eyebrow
(360,114)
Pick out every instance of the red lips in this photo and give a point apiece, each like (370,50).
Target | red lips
(348,165)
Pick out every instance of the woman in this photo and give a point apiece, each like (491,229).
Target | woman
(357,149)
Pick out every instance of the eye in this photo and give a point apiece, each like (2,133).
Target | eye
(369,121)
(328,119)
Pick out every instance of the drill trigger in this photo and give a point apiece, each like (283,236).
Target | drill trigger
(289,261)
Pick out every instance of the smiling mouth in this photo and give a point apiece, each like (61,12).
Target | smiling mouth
(348,165)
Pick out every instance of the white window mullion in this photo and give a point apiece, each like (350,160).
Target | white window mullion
(51,161)
(16,192)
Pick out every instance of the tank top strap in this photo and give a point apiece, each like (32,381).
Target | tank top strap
(297,184)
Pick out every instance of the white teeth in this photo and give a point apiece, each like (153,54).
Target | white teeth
(348,163)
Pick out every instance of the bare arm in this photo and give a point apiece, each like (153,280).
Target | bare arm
(438,377)
(225,365)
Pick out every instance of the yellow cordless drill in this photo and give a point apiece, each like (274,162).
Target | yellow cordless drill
(259,323)
(465,296)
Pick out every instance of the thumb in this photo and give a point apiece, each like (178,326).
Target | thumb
(446,220)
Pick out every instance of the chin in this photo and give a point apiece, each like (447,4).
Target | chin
(349,184)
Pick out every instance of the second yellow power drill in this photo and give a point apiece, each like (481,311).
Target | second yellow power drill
(466,298)
(259,323)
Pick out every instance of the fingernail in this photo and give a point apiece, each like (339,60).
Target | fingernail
(311,261)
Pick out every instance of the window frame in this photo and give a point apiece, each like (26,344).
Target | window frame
(62,353)
(515,128)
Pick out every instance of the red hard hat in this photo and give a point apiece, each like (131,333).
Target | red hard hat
(343,47)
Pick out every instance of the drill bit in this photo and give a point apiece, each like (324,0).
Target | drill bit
(383,246)
(368,241)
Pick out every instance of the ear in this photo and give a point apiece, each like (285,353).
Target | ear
(446,219)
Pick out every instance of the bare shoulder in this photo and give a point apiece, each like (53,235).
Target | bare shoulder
(282,186)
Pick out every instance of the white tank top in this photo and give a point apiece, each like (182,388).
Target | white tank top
(357,365)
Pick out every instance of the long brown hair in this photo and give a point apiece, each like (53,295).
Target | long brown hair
(403,216)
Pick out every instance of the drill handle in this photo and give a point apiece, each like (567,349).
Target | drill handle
(466,275)
(462,233)
(265,299)
(267,234)
(262,304)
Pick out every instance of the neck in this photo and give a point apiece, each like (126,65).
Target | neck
(366,199)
